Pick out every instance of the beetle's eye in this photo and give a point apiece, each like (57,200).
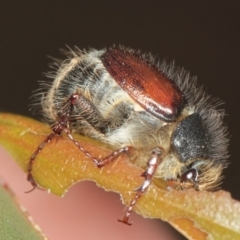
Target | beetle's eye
(190,175)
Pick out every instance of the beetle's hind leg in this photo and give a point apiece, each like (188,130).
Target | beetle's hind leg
(62,125)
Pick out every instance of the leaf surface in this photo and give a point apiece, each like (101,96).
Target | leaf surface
(197,215)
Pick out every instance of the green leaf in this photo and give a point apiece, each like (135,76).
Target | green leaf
(198,215)
(14,220)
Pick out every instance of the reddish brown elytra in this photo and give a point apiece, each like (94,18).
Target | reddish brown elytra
(149,87)
(124,98)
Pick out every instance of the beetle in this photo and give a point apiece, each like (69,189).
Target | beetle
(129,100)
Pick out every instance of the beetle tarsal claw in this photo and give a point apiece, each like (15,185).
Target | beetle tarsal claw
(33,183)
(125,220)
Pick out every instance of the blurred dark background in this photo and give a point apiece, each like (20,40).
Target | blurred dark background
(202,36)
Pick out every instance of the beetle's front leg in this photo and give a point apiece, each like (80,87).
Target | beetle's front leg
(152,165)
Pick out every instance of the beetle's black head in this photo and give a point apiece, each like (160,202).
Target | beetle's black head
(201,136)
(191,139)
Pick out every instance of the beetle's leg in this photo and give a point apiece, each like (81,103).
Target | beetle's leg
(32,158)
(152,165)
(62,124)
(113,156)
